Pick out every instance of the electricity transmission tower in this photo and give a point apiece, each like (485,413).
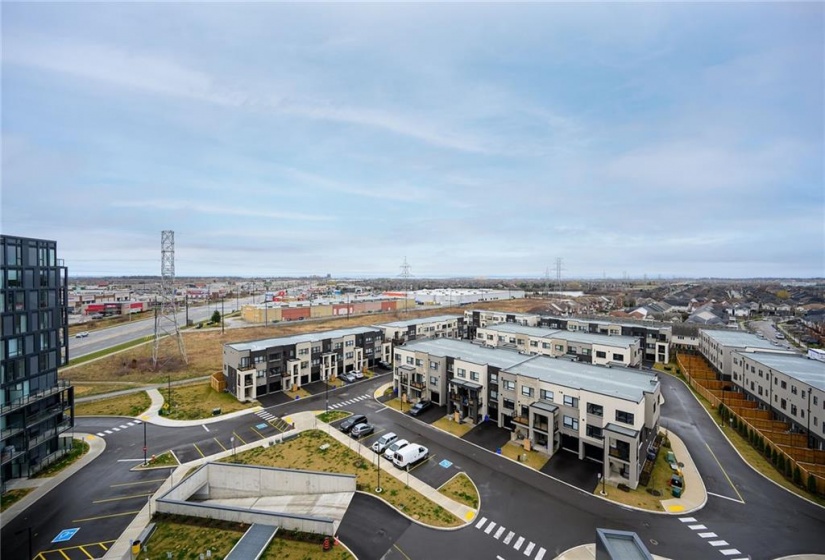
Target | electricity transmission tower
(558,274)
(405,275)
(166,317)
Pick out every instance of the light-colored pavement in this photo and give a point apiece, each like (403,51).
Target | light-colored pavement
(152,414)
(44,485)
(695,496)
(587,552)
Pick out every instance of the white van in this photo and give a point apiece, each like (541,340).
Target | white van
(409,455)
(383,442)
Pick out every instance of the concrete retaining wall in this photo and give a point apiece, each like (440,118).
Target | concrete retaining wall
(243,481)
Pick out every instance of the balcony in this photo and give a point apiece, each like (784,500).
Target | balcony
(418,385)
(34,397)
(523,420)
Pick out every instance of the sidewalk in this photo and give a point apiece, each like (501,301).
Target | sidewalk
(695,495)
(45,485)
(152,414)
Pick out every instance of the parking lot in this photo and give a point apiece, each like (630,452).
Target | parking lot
(218,440)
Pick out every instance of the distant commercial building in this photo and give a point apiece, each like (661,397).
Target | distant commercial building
(463,296)
(475,318)
(440,326)
(790,386)
(275,312)
(36,409)
(580,346)
(257,368)
(718,347)
(608,415)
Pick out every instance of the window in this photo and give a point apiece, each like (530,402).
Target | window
(595,409)
(816,401)
(534,343)
(509,404)
(509,385)
(624,417)
(783,404)
(594,432)
(570,401)
(398,357)
(527,391)
(348,355)
(494,395)
(461,372)
(618,357)
(301,352)
(783,385)
(546,395)
(793,409)
(559,347)
(570,422)
(434,365)
(433,380)
(474,375)
(419,363)
(493,378)
(793,389)
(410,360)
(545,345)
(600,354)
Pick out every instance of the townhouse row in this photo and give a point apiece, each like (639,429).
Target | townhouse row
(275,312)
(605,414)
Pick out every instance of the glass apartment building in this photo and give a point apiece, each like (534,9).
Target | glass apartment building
(36,409)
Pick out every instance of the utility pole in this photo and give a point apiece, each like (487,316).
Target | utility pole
(221,315)
(144,444)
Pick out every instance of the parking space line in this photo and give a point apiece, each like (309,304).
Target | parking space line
(107,516)
(195,445)
(66,556)
(259,433)
(106,500)
(239,437)
(423,462)
(219,443)
(402,552)
(136,483)
(84,551)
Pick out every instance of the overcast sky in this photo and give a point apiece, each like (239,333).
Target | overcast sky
(478,140)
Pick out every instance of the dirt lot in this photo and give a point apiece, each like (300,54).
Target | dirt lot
(205,348)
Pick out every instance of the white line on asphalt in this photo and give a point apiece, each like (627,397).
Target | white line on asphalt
(116,429)
(129,460)
(130,423)
(490,527)
(498,533)
(108,431)
(137,421)
(499,557)
(687,519)
(101,434)
(481,522)
(708,535)
(529,549)
(519,542)
(509,537)
(730,552)
(697,527)
(726,497)
(123,427)
(540,553)
(718,543)
(204,427)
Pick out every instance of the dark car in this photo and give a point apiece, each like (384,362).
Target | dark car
(362,430)
(420,407)
(351,422)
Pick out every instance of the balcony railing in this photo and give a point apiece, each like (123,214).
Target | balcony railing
(34,397)
(418,384)
(523,420)
(619,454)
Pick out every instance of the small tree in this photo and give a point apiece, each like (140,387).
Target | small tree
(216,317)
(797,475)
(775,457)
(811,483)
(788,468)
(781,464)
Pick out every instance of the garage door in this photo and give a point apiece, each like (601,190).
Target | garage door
(570,443)
(593,453)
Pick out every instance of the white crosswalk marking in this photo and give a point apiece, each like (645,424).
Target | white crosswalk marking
(101,434)
(708,535)
(509,537)
(697,527)
(130,423)
(730,552)
(498,533)
(687,519)
(529,549)
(490,527)
(540,554)
(519,542)
(108,431)
(481,522)
(137,421)
(123,427)
(718,543)
(116,429)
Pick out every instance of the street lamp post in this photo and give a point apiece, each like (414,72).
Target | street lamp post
(378,488)
(144,444)
(601,477)
(169,392)
(222,316)
(232,441)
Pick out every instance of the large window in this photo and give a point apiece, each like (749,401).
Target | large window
(595,409)
(624,417)
(474,375)
(570,422)
(600,354)
(509,404)
(570,401)
(527,391)
(546,395)
(618,357)
(509,385)
(461,372)
(594,432)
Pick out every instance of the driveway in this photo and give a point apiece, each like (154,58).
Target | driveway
(566,466)
(488,435)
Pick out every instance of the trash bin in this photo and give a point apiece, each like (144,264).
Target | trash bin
(671,457)
(498,451)
(677,491)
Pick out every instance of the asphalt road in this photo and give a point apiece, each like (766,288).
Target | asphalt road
(518,506)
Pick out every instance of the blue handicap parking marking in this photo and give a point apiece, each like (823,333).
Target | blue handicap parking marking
(261,426)
(65,535)
(445,463)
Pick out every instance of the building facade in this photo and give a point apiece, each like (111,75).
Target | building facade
(440,326)
(476,318)
(792,387)
(718,347)
(36,409)
(257,368)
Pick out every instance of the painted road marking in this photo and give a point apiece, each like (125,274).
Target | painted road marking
(100,434)
(108,432)
(519,542)
(726,474)
(529,549)
(107,516)
(204,427)
(123,426)
(261,426)
(540,553)
(199,450)
(730,552)
(259,433)
(481,522)
(718,543)
(445,463)
(498,533)
(687,519)
(239,437)
(697,527)
(490,527)
(725,497)
(708,535)
(65,535)
(219,443)
(116,429)
(130,423)
(509,537)
(136,483)
(123,498)
(137,421)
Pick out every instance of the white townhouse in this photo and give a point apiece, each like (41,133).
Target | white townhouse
(718,347)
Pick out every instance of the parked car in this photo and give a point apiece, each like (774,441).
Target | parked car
(384,442)
(420,407)
(351,422)
(410,455)
(347,377)
(389,453)
(361,430)
(358,374)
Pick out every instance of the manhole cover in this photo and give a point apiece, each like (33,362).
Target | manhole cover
(654,542)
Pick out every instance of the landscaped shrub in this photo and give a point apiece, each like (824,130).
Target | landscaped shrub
(797,475)
(811,483)
(781,464)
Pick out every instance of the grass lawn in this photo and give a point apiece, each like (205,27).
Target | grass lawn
(165,459)
(188,538)
(13,496)
(452,427)
(333,415)
(535,460)
(398,405)
(461,489)
(641,497)
(304,453)
(90,389)
(193,402)
(125,405)
(79,448)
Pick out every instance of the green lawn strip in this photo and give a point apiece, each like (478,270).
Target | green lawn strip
(450,426)
(125,405)
(197,401)
(110,350)
(79,448)
(305,453)
(92,389)
(165,459)
(645,497)
(747,451)
(461,489)
(333,415)
(13,496)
